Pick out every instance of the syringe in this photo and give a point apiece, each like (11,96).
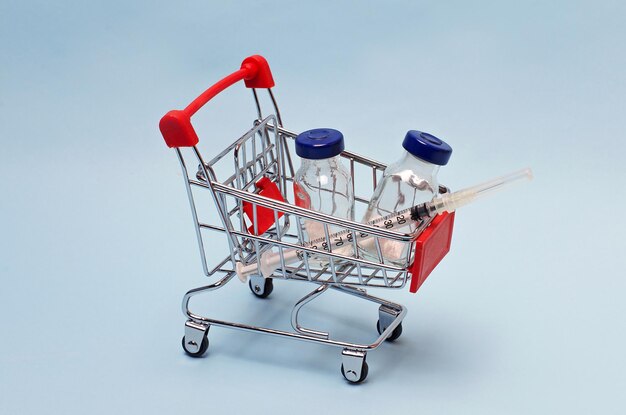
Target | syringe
(446,202)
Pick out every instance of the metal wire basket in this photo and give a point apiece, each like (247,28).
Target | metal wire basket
(255,218)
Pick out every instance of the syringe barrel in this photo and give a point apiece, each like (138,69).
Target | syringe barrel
(340,243)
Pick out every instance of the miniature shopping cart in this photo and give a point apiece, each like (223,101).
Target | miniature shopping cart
(251,198)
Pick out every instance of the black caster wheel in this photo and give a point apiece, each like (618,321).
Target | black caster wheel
(397,332)
(203,347)
(364,372)
(268,287)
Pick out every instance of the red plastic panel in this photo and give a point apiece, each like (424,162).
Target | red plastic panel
(264,216)
(430,247)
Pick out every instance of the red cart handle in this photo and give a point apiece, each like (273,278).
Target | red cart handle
(176,125)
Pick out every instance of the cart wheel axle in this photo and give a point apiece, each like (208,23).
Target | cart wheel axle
(351,375)
(354,367)
(261,287)
(204,345)
(397,332)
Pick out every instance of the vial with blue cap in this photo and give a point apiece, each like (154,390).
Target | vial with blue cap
(322,183)
(408,182)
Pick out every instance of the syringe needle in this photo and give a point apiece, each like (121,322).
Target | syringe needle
(449,202)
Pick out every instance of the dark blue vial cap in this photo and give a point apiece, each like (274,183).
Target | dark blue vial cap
(427,147)
(319,143)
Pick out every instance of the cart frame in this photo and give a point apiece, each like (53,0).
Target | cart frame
(264,152)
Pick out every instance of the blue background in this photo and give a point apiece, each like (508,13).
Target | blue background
(525,315)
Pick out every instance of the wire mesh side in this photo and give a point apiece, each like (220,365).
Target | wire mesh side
(292,259)
(265,151)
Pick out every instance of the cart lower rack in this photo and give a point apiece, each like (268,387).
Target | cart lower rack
(250,198)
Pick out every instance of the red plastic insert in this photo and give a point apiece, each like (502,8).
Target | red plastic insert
(430,247)
(264,216)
